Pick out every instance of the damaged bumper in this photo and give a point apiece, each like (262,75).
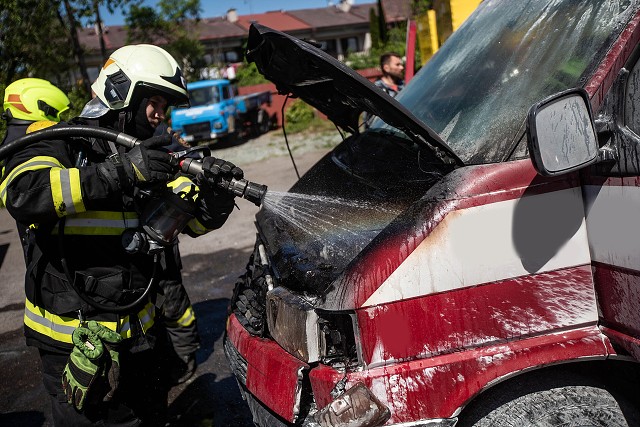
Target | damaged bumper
(281,390)
(270,374)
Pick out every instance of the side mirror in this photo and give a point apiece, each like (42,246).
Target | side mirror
(561,134)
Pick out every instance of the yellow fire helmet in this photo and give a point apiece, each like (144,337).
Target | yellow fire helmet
(135,70)
(34,99)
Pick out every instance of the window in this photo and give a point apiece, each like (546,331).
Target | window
(350,44)
(329,46)
(204,96)
(227,93)
(231,56)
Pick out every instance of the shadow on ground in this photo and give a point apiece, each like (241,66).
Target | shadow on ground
(210,399)
(26,418)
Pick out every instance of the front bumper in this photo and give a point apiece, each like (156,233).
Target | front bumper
(265,370)
(281,390)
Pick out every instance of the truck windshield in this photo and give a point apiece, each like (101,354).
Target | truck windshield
(204,96)
(476,91)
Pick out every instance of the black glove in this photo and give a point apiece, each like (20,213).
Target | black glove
(216,202)
(214,169)
(146,163)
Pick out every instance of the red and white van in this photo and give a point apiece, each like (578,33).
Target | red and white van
(473,257)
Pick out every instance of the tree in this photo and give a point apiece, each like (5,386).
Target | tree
(419,7)
(391,39)
(382,23)
(72,14)
(248,75)
(174,27)
(374,29)
(32,42)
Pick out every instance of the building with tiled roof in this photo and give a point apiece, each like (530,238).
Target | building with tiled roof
(338,29)
(281,20)
(396,10)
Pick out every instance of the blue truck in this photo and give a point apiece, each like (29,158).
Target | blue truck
(218,113)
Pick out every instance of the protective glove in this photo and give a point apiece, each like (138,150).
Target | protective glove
(146,163)
(84,366)
(214,169)
(111,341)
(217,203)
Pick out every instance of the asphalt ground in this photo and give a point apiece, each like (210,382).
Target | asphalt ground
(212,263)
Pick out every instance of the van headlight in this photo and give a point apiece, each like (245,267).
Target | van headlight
(310,335)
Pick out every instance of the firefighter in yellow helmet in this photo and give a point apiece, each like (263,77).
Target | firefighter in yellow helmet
(31,100)
(99,274)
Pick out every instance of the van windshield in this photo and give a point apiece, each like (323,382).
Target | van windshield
(204,96)
(476,91)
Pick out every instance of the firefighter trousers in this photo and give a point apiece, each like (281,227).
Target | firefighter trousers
(141,398)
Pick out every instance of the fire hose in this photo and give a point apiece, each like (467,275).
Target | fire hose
(243,188)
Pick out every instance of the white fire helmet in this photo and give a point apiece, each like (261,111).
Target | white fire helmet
(132,70)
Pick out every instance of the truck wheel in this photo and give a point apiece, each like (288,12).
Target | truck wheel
(564,405)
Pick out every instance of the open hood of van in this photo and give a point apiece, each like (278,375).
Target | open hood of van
(299,68)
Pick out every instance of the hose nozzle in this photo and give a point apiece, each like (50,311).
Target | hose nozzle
(248,190)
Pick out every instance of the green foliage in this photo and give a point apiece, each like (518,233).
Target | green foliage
(299,116)
(168,26)
(374,29)
(78,97)
(178,11)
(419,7)
(85,10)
(33,41)
(395,43)
(360,61)
(382,25)
(248,75)
(397,39)
(385,39)
(144,25)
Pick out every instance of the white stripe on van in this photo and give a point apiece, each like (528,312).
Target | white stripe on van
(613,225)
(493,242)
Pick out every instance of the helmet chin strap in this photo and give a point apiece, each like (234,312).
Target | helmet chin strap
(8,117)
(123,118)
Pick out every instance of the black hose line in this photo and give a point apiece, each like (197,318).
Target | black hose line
(61,132)
(242,188)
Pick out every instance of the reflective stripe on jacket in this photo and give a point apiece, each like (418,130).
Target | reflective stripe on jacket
(40,185)
(60,328)
(99,223)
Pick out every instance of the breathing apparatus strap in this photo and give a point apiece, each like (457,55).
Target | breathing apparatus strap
(100,289)
(116,160)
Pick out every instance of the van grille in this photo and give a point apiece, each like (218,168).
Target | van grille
(237,362)
(198,128)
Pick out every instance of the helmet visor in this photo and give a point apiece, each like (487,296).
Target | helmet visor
(94,109)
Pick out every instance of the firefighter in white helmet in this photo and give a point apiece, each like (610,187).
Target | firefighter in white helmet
(102,286)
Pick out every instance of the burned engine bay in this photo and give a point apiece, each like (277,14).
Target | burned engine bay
(312,232)
(309,235)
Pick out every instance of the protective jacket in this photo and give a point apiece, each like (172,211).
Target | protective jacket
(67,213)
(15,131)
